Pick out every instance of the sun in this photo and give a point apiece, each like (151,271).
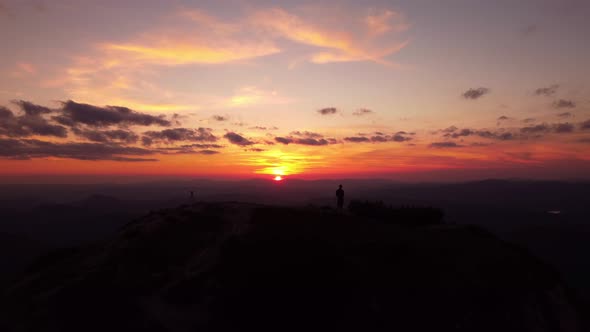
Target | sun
(278,178)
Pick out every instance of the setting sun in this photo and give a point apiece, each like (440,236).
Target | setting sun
(278,178)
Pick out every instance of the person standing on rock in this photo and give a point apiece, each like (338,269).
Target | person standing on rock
(340,197)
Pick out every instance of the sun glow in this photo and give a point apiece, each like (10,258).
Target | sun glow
(278,178)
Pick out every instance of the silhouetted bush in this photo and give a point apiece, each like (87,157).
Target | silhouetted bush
(405,215)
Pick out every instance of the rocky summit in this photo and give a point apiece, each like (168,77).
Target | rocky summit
(246,267)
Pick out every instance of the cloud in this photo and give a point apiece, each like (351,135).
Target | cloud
(565,115)
(585,125)
(185,149)
(28,124)
(503,118)
(237,139)
(357,139)
(563,128)
(529,120)
(220,118)
(335,45)
(202,146)
(442,145)
(475,93)
(306,138)
(547,91)
(32,109)
(328,111)
(379,23)
(95,116)
(106,136)
(540,128)
(192,37)
(32,148)
(562,103)
(362,111)
(312,141)
(454,132)
(263,128)
(379,137)
(307,134)
(400,137)
(179,134)
(284,140)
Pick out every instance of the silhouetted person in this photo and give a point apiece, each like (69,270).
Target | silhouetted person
(192,194)
(340,197)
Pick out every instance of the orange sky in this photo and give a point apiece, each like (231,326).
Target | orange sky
(409,90)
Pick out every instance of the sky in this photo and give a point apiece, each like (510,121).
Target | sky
(405,90)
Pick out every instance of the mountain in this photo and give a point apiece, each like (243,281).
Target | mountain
(241,267)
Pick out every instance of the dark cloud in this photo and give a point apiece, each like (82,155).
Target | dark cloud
(202,146)
(362,111)
(237,139)
(256,150)
(450,129)
(307,134)
(442,145)
(306,140)
(312,141)
(548,91)
(284,140)
(565,115)
(399,137)
(32,148)
(562,103)
(28,124)
(379,137)
(106,136)
(220,118)
(584,140)
(561,128)
(179,134)
(95,116)
(475,93)
(186,151)
(357,139)
(540,128)
(328,111)
(503,118)
(529,120)
(585,125)
(458,133)
(31,109)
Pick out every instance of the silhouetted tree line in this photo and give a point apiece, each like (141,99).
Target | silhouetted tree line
(404,215)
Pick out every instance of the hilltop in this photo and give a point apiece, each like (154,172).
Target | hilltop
(238,266)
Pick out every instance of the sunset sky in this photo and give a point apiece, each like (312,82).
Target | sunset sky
(405,90)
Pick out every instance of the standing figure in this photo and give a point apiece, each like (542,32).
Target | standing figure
(340,197)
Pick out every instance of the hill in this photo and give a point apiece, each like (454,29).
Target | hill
(237,266)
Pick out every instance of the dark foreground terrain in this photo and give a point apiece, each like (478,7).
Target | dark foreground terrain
(237,266)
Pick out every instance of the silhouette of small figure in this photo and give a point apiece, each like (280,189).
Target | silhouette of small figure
(340,197)
(192,194)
